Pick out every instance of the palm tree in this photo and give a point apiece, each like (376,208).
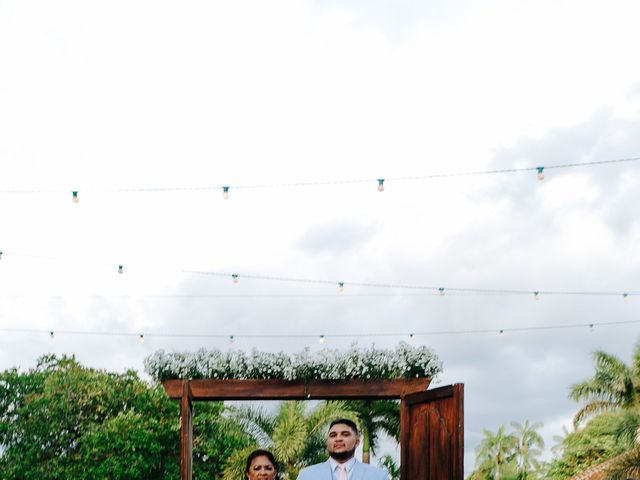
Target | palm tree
(495,456)
(614,385)
(528,447)
(294,434)
(375,417)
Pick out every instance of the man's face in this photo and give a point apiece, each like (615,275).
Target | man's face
(342,442)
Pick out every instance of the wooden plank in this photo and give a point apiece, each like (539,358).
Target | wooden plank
(209,389)
(186,432)
(432,434)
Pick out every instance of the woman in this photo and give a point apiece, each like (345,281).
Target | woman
(261,465)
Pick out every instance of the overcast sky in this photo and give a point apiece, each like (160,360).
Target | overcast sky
(101,96)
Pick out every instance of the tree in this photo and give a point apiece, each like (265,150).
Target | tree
(495,456)
(528,448)
(295,434)
(374,417)
(61,420)
(614,385)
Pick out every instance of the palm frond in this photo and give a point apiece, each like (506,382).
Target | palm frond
(591,409)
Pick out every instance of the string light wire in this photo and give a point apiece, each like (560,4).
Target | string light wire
(316,336)
(375,181)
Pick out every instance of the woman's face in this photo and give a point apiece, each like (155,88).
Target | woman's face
(261,468)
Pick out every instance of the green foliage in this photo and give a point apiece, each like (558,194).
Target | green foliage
(61,421)
(375,417)
(599,440)
(613,385)
(389,464)
(509,455)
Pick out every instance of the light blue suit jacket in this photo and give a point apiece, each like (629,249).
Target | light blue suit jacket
(361,471)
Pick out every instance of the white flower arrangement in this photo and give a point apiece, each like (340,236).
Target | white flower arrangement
(405,361)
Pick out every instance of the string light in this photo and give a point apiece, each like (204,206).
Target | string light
(341,286)
(74,197)
(225,193)
(120,269)
(141,338)
(411,335)
(51,334)
(0,254)
(323,337)
(441,291)
(536,296)
(591,327)
(540,173)
(501,333)
(625,296)
(235,278)
(539,170)
(381,184)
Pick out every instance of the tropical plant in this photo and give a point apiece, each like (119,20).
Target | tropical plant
(528,448)
(375,417)
(294,433)
(495,456)
(614,385)
(391,466)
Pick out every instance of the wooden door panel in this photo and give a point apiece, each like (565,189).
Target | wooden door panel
(432,443)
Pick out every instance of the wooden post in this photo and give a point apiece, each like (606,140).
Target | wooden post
(186,432)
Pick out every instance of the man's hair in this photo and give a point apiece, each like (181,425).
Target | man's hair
(345,421)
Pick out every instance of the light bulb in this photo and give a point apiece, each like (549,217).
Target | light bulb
(74,197)
(51,335)
(225,193)
(411,336)
(120,269)
(591,327)
(441,290)
(625,296)
(536,296)
(381,184)
(501,333)
(141,338)
(540,174)
(321,338)
(341,286)
(0,255)
(231,339)
(235,277)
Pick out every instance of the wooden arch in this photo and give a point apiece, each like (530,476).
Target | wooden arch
(431,421)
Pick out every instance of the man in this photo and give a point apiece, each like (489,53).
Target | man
(342,441)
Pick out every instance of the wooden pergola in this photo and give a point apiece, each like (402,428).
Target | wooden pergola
(431,421)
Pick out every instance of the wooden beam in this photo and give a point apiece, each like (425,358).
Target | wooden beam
(209,389)
(186,431)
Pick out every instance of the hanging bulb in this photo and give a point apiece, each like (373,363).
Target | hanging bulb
(441,290)
(536,296)
(591,327)
(141,338)
(0,254)
(231,339)
(501,333)
(625,296)
(411,336)
(321,339)
(540,174)
(225,193)
(235,278)
(74,197)
(381,184)
(51,335)
(341,286)
(120,269)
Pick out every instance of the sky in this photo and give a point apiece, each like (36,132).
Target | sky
(147,109)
